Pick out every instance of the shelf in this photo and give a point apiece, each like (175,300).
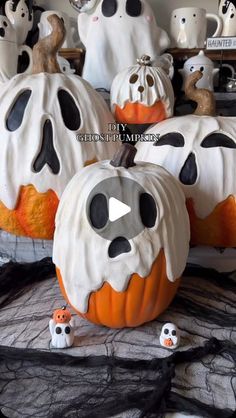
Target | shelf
(183,54)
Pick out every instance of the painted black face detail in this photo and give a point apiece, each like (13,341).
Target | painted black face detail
(67,330)
(2,32)
(134,8)
(98,213)
(109,8)
(173,138)
(141,89)
(150,80)
(16,115)
(148,210)
(47,153)
(174,333)
(227,4)
(218,140)
(58,330)
(119,246)
(133,78)
(70,112)
(188,174)
(166,331)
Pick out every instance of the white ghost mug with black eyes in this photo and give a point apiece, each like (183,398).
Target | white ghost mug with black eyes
(115,34)
(142,94)
(170,336)
(42,117)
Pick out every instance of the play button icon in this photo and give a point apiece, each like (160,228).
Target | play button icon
(117,209)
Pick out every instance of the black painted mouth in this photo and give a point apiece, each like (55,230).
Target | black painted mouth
(2,33)
(119,246)
(188,174)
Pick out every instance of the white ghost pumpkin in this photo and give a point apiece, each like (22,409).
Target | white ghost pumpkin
(115,34)
(200,151)
(170,336)
(41,116)
(142,94)
(123,272)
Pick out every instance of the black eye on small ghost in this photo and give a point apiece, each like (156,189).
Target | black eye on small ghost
(166,331)
(98,211)
(133,8)
(173,333)
(218,140)
(109,8)
(173,139)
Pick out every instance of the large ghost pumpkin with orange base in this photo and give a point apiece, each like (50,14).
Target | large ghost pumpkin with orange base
(41,117)
(200,151)
(142,94)
(121,272)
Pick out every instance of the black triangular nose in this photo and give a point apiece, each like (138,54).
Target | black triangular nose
(188,174)
(47,153)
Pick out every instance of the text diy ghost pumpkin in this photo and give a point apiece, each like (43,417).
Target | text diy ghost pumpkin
(200,151)
(142,94)
(41,116)
(126,272)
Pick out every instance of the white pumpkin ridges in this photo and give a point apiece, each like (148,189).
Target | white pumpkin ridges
(82,255)
(123,92)
(20,148)
(216,166)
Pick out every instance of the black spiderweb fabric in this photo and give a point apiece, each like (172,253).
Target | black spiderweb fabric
(99,386)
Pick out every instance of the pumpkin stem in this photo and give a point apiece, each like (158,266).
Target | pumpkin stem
(124,157)
(144,60)
(45,51)
(204,98)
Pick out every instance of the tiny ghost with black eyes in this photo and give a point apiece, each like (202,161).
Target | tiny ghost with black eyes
(142,94)
(41,116)
(108,272)
(200,151)
(170,336)
(115,34)
(62,328)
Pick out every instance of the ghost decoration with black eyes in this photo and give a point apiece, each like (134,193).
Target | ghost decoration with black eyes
(41,118)
(200,151)
(142,94)
(169,337)
(115,34)
(121,272)
(62,329)
(20,14)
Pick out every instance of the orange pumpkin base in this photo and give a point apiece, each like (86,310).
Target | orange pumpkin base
(218,229)
(143,301)
(34,215)
(137,113)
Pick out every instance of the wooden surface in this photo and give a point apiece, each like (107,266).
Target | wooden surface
(183,54)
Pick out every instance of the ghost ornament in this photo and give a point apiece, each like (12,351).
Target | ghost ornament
(170,336)
(115,34)
(20,15)
(62,329)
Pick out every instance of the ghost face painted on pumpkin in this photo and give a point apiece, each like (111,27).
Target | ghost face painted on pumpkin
(19,12)
(115,34)
(113,256)
(142,94)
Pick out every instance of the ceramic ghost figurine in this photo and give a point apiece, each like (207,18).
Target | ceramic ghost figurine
(62,329)
(169,337)
(20,15)
(114,34)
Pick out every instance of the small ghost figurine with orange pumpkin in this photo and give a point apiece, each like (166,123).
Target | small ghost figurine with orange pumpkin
(169,337)
(62,328)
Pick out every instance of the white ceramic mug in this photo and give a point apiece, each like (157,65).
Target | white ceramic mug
(189,27)
(10,51)
(227,12)
(45,27)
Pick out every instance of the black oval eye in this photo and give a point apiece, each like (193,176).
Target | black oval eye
(166,331)
(148,210)
(134,8)
(109,8)
(98,211)
(218,140)
(150,80)
(5,24)
(70,112)
(16,114)
(191,68)
(201,69)
(173,138)
(133,78)
(58,330)
(67,330)
(173,333)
